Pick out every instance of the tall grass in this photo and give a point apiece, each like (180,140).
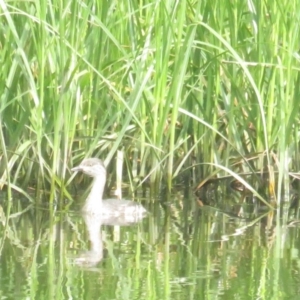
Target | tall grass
(175,83)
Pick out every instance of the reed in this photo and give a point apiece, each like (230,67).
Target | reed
(177,84)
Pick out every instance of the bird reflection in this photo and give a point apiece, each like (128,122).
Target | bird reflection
(93,223)
(95,254)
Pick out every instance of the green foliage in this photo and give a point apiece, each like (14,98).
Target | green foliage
(174,83)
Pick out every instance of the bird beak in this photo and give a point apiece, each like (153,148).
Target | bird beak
(76,169)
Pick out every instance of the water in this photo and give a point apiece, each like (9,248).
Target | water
(179,251)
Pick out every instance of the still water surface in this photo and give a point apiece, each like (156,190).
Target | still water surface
(179,251)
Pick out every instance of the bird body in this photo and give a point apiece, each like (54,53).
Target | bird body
(95,204)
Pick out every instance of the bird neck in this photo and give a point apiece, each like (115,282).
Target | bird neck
(94,199)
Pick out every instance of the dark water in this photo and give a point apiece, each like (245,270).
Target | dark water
(179,251)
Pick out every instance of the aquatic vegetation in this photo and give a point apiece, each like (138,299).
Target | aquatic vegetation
(183,87)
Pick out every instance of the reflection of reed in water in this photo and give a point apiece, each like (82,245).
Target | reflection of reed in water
(94,204)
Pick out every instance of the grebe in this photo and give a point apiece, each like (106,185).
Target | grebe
(95,204)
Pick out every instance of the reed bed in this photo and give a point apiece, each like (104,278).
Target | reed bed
(198,87)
